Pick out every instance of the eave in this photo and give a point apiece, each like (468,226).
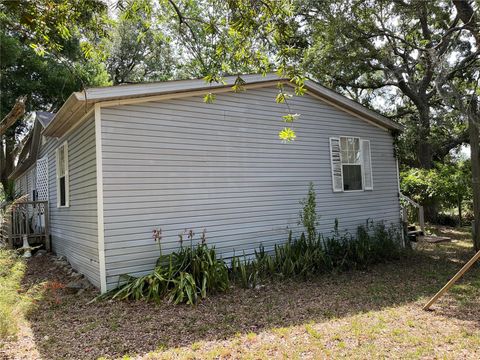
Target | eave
(81,103)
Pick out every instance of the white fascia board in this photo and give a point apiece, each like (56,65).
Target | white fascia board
(146,89)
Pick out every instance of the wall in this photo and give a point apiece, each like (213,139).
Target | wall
(74,229)
(181,164)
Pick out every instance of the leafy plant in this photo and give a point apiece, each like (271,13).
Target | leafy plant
(8,193)
(308,215)
(447,185)
(314,253)
(181,277)
(373,243)
(194,271)
(244,272)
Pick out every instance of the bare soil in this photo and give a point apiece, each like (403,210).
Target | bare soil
(358,314)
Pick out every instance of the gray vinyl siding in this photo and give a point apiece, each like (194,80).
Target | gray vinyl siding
(74,229)
(25,184)
(182,164)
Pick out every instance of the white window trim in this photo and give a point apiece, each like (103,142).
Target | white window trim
(67,177)
(361,164)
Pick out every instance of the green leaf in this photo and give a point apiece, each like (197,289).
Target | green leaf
(300,90)
(290,117)
(287,135)
(239,84)
(209,98)
(282,97)
(39,50)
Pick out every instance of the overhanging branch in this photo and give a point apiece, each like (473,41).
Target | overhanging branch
(16,113)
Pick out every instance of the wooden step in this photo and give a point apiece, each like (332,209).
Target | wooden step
(414,235)
(434,239)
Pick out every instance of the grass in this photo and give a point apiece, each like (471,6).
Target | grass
(358,314)
(13,303)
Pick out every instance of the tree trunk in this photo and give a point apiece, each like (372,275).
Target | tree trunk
(430,210)
(473,125)
(16,113)
(424,148)
(466,12)
(8,146)
(460,200)
(7,143)
(424,155)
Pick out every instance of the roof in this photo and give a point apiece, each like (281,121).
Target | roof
(29,152)
(44,117)
(80,103)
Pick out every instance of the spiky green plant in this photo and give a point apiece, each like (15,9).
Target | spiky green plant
(184,276)
(305,257)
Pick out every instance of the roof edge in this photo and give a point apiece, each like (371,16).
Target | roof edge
(89,97)
(353,106)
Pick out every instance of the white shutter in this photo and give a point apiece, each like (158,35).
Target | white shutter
(367,165)
(61,156)
(336,161)
(67,176)
(57,174)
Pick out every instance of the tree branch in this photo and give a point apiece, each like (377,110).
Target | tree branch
(16,113)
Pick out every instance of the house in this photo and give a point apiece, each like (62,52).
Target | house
(116,162)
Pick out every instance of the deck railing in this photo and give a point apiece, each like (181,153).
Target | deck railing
(26,218)
(418,207)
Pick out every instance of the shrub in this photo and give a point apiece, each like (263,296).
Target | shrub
(308,215)
(447,186)
(447,220)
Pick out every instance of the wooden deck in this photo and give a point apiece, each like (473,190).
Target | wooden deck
(25,218)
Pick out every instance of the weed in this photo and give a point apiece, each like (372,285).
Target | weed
(312,332)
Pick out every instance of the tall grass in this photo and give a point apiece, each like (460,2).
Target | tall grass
(13,305)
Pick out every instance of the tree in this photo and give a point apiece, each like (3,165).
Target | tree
(42,61)
(387,54)
(385,51)
(231,37)
(446,183)
(46,25)
(461,89)
(139,51)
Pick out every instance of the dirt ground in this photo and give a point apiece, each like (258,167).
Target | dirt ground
(358,314)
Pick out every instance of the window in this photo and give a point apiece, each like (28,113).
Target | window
(351,164)
(62,176)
